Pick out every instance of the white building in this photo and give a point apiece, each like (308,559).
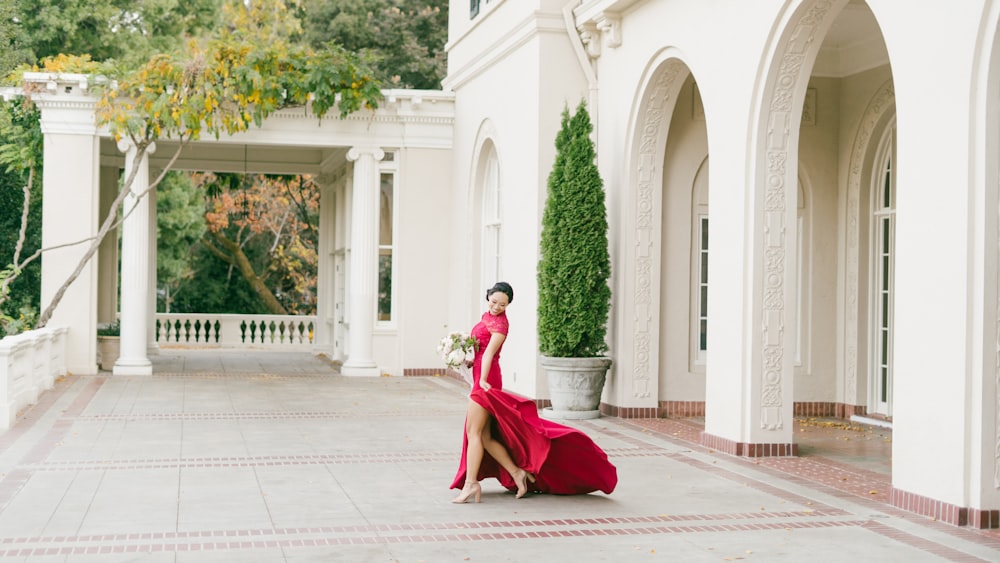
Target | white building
(844,154)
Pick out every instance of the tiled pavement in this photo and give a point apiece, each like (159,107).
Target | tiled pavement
(275,457)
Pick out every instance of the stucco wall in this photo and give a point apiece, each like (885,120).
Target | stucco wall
(533,75)
(422,239)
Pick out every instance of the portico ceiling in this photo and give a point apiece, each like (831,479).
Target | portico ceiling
(237,157)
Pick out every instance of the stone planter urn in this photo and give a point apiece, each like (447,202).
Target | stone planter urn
(575,386)
(108,350)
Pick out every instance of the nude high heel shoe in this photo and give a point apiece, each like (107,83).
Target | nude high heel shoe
(522,479)
(471,488)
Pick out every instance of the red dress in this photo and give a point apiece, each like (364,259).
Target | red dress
(563,460)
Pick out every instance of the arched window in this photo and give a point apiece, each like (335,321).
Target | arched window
(699,269)
(699,273)
(491,219)
(883,242)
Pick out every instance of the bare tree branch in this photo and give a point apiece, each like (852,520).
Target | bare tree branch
(110,221)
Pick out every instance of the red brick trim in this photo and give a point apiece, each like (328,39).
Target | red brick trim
(628,412)
(925,506)
(430,371)
(743,449)
(847,411)
(681,409)
(984,519)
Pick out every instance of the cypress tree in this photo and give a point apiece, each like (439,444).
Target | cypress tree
(574,268)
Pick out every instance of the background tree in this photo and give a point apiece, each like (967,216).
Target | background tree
(123,30)
(573,271)
(404,39)
(264,228)
(180,223)
(226,87)
(11,53)
(33,30)
(20,222)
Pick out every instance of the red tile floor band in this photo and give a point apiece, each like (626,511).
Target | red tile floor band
(380,535)
(820,517)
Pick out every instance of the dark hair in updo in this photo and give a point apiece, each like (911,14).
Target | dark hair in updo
(502,287)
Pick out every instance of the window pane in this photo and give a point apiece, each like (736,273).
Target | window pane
(887,191)
(885,384)
(703,285)
(385,211)
(385,285)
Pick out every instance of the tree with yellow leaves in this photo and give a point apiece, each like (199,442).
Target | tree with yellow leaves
(224,86)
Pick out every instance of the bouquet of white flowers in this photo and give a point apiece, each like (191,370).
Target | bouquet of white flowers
(458,350)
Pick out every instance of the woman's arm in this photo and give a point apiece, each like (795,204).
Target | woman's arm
(496,339)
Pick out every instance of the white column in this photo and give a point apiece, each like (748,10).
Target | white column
(135,267)
(363,268)
(152,348)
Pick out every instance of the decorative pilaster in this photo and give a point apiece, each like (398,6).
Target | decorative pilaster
(326,272)
(107,255)
(135,266)
(363,266)
(70,178)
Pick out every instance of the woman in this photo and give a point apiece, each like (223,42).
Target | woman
(505,438)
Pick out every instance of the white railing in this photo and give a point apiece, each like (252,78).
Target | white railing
(207,330)
(30,362)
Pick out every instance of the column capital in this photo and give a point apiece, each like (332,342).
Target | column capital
(126,144)
(356,152)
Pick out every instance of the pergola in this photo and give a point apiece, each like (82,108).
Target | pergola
(81,178)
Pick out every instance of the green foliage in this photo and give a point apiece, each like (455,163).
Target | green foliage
(25,320)
(20,149)
(574,268)
(20,137)
(404,40)
(110,329)
(110,29)
(11,52)
(180,223)
(232,85)
(217,288)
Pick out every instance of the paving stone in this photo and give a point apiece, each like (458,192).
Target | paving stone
(260,456)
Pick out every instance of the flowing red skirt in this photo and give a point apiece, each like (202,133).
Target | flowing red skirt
(563,460)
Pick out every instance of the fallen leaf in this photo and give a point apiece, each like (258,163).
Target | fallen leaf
(873,492)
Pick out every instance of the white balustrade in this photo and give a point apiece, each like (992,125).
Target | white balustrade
(30,362)
(205,330)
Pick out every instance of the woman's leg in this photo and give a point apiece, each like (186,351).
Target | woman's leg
(475,419)
(498,450)
(500,453)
